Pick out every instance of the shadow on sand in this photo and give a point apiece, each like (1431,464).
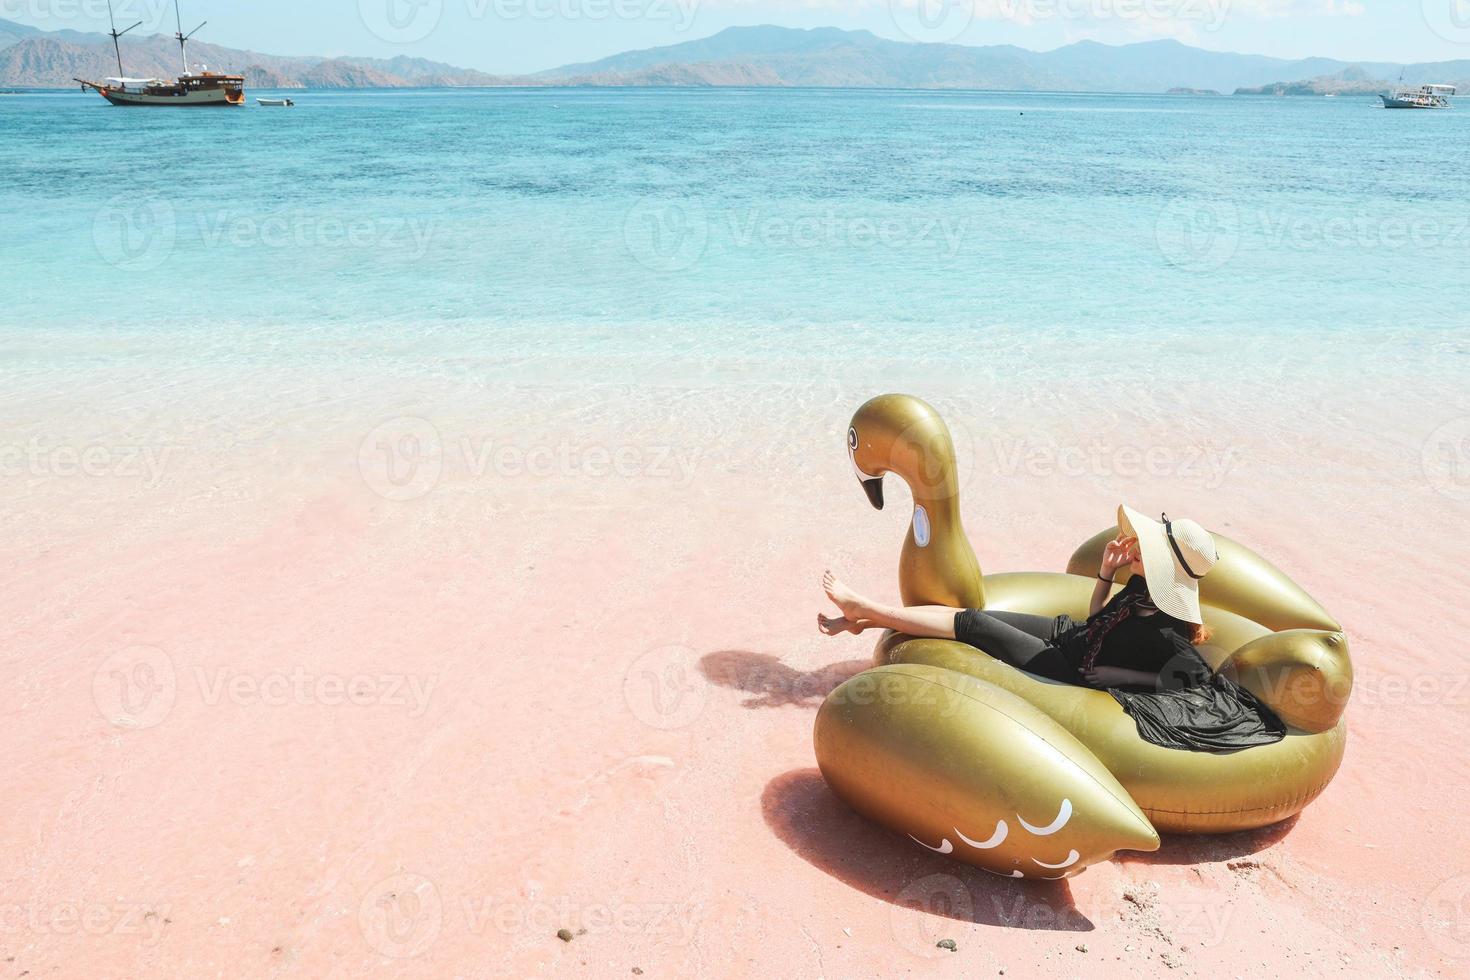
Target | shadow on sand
(772,683)
(821,829)
(1210,848)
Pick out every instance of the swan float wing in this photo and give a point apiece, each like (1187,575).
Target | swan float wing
(934,754)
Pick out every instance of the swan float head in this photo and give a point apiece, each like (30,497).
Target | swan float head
(904,435)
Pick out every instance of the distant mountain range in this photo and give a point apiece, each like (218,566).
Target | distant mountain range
(31,58)
(748,56)
(859,59)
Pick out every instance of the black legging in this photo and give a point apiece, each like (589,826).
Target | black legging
(1020,639)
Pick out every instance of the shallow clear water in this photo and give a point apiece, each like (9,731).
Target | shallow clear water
(620,221)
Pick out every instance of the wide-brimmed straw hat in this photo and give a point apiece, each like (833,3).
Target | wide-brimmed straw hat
(1176,555)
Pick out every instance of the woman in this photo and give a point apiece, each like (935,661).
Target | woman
(1140,644)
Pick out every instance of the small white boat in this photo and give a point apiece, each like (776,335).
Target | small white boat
(274,102)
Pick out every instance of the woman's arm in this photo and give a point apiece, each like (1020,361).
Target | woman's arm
(1180,667)
(1118,553)
(1187,668)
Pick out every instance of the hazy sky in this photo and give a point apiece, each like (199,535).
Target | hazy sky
(526,35)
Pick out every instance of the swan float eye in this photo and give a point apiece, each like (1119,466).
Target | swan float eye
(1072,857)
(945,847)
(996,839)
(1002,830)
(1063,815)
(993,812)
(852,444)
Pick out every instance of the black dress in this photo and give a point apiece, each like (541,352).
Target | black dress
(1188,707)
(1155,644)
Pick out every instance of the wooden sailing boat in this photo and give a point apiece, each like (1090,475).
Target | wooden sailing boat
(203,88)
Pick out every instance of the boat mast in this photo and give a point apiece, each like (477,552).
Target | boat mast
(182,37)
(115,33)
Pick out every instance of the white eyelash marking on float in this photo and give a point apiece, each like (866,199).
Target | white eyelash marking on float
(1063,815)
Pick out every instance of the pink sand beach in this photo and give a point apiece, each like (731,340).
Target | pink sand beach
(319,669)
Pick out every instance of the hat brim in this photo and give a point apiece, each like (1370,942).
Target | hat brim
(1170,587)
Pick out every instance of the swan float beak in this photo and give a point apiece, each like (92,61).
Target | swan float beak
(873,487)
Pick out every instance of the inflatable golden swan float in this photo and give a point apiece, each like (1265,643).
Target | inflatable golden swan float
(1030,778)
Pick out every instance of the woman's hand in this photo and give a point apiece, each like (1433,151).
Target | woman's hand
(1119,552)
(1103,676)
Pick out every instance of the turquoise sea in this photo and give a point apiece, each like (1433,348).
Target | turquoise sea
(720,218)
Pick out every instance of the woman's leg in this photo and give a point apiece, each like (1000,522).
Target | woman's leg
(934,622)
(832,625)
(1008,641)
(1019,639)
(1012,637)
(999,634)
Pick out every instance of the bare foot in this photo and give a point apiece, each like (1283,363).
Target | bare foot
(836,625)
(853,606)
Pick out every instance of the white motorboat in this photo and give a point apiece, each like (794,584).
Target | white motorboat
(1423,97)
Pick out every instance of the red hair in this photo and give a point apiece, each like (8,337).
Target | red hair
(1202,634)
